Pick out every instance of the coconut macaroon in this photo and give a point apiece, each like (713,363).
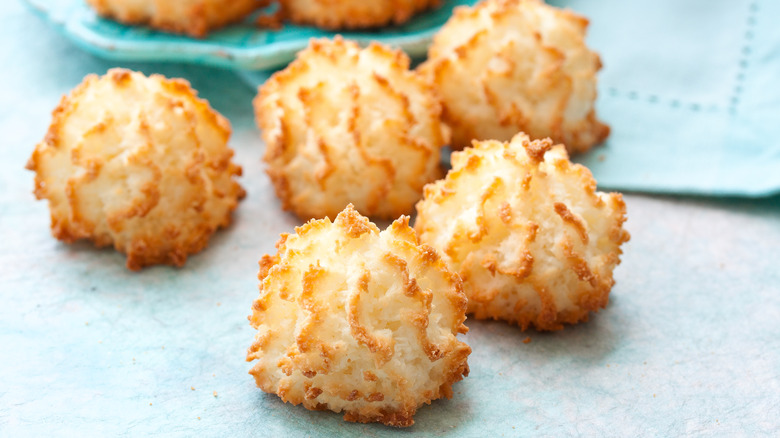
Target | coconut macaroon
(192,17)
(358,321)
(532,239)
(344,125)
(353,14)
(506,66)
(139,163)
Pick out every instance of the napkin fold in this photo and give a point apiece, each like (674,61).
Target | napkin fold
(691,92)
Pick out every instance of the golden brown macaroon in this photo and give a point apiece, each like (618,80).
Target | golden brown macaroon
(353,14)
(192,17)
(348,125)
(532,239)
(506,66)
(358,321)
(139,163)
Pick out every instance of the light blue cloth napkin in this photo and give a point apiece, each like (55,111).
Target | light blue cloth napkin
(691,90)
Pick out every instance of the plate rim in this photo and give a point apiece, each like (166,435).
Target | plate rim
(264,57)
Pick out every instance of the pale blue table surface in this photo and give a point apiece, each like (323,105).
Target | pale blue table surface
(689,345)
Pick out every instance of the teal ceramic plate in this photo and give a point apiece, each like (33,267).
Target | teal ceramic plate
(242,46)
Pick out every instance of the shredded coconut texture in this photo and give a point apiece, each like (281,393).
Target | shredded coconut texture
(192,17)
(354,14)
(358,321)
(139,163)
(506,66)
(349,125)
(532,239)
